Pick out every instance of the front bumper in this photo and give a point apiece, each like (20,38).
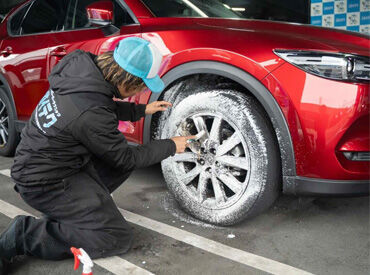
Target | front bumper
(328,123)
(324,187)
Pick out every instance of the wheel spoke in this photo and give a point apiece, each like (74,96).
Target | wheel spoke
(230,181)
(187,156)
(200,124)
(215,133)
(3,137)
(228,144)
(237,162)
(202,186)
(189,176)
(5,129)
(4,119)
(2,108)
(218,189)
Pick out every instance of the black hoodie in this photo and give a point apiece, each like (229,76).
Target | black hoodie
(78,118)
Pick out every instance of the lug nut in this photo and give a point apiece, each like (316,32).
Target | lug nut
(201,161)
(213,151)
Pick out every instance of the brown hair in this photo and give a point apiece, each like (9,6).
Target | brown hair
(117,76)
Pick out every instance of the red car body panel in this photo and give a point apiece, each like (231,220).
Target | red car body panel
(319,113)
(26,71)
(105,10)
(325,117)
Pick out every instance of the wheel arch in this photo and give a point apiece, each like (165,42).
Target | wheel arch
(255,87)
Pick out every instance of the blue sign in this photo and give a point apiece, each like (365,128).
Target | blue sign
(353,5)
(353,28)
(316,20)
(365,18)
(351,15)
(340,20)
(328,8)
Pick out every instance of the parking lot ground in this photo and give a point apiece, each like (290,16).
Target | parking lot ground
(316,235)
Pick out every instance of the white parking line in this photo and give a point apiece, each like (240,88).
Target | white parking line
(214,247)
(5,172)
(12,211)
(234,254)
(116,265)
(119,266)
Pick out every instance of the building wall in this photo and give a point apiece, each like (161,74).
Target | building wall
(352,15)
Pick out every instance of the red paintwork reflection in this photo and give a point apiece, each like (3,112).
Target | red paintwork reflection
(318,112)
(357,137)
(126,127)
(102,10)
(26,71)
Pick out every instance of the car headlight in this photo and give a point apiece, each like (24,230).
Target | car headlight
(337,66)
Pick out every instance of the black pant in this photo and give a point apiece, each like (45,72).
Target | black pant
(79,212)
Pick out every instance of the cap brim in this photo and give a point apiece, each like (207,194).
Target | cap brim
(155,84)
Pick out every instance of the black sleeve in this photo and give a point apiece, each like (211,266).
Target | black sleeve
(97,130)
(130,111)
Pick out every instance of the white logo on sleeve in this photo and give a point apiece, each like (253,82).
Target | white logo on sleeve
(47,113)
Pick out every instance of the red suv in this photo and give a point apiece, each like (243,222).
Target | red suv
(284,107)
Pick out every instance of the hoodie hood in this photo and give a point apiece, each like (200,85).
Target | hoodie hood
(78,73)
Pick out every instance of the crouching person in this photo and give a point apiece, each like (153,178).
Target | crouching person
(72,156)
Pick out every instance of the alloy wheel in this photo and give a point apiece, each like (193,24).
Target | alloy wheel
(216,169)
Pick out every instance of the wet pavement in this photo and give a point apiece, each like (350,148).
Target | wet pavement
(317,235)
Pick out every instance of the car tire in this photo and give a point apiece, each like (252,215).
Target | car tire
(9,137)
(236,173)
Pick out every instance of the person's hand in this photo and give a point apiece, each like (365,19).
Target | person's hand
(157,106)
(182,143)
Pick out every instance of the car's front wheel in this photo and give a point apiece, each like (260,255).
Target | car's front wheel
(234,171)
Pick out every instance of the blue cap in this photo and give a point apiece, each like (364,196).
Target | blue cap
(142,59)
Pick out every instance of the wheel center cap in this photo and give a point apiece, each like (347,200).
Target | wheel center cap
(210,159)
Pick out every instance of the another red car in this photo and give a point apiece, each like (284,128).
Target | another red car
(285,107)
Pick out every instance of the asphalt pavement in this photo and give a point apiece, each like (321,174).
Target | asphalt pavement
(296,236)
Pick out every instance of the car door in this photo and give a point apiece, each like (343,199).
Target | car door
(79,33)
(25,49)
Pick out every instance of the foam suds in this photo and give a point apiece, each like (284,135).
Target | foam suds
(239,111)
(171,206)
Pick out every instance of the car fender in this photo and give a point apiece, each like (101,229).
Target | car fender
(175,54)
(254,68)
